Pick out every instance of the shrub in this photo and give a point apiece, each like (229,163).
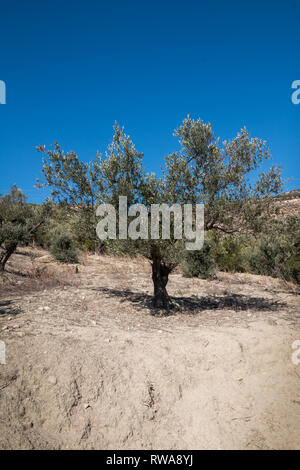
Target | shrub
(228,254)
(57,222)
(276,258)
(293,263)
(63,249)
(121,247)
(82,227)
(293,268)
(199,263)
(262,259)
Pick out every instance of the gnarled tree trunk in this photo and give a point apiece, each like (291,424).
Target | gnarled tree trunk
(6,252)
(160,277)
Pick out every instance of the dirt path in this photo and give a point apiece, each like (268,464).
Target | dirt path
(89,366)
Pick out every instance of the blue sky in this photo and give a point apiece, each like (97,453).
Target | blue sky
(72,68)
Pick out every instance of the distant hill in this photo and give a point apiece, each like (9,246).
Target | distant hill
(295,193)
(289,203)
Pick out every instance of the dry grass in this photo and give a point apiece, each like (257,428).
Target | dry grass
(24,273)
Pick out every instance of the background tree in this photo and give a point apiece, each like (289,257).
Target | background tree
(18,222)
(74,186)
(277,252)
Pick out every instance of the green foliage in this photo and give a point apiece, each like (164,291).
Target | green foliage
(82,226)
(228,253)
(276,257)
(75,186)
(293,266)
(199,263)
(220,177)
(72,182)
(63,250)
(18,222)
(129,248)
(58,221)
(262,260)
(15,196)
(121,171)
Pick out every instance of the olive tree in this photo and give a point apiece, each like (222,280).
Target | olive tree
(223,176)
(18,222)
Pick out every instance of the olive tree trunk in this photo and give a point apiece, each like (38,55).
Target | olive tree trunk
(160,277)
(6,252)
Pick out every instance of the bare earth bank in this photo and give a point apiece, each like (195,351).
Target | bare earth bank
(89,366)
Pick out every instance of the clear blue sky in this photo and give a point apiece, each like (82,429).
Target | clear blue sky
(74,67)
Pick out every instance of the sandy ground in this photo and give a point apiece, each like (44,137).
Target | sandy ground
(89,366)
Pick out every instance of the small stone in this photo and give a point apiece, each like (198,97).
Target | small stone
(20,334)
(5,328)
(86,406)
(47,308)
(52,379)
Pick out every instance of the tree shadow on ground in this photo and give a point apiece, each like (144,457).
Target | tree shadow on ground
(29,254)
(194,305)
(19,273)
(7,308)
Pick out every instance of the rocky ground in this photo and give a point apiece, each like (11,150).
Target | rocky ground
(89,365)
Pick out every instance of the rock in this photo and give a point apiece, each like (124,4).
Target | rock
(52,379)
(20,334)
(45,259)
(86,406)
(5,328)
